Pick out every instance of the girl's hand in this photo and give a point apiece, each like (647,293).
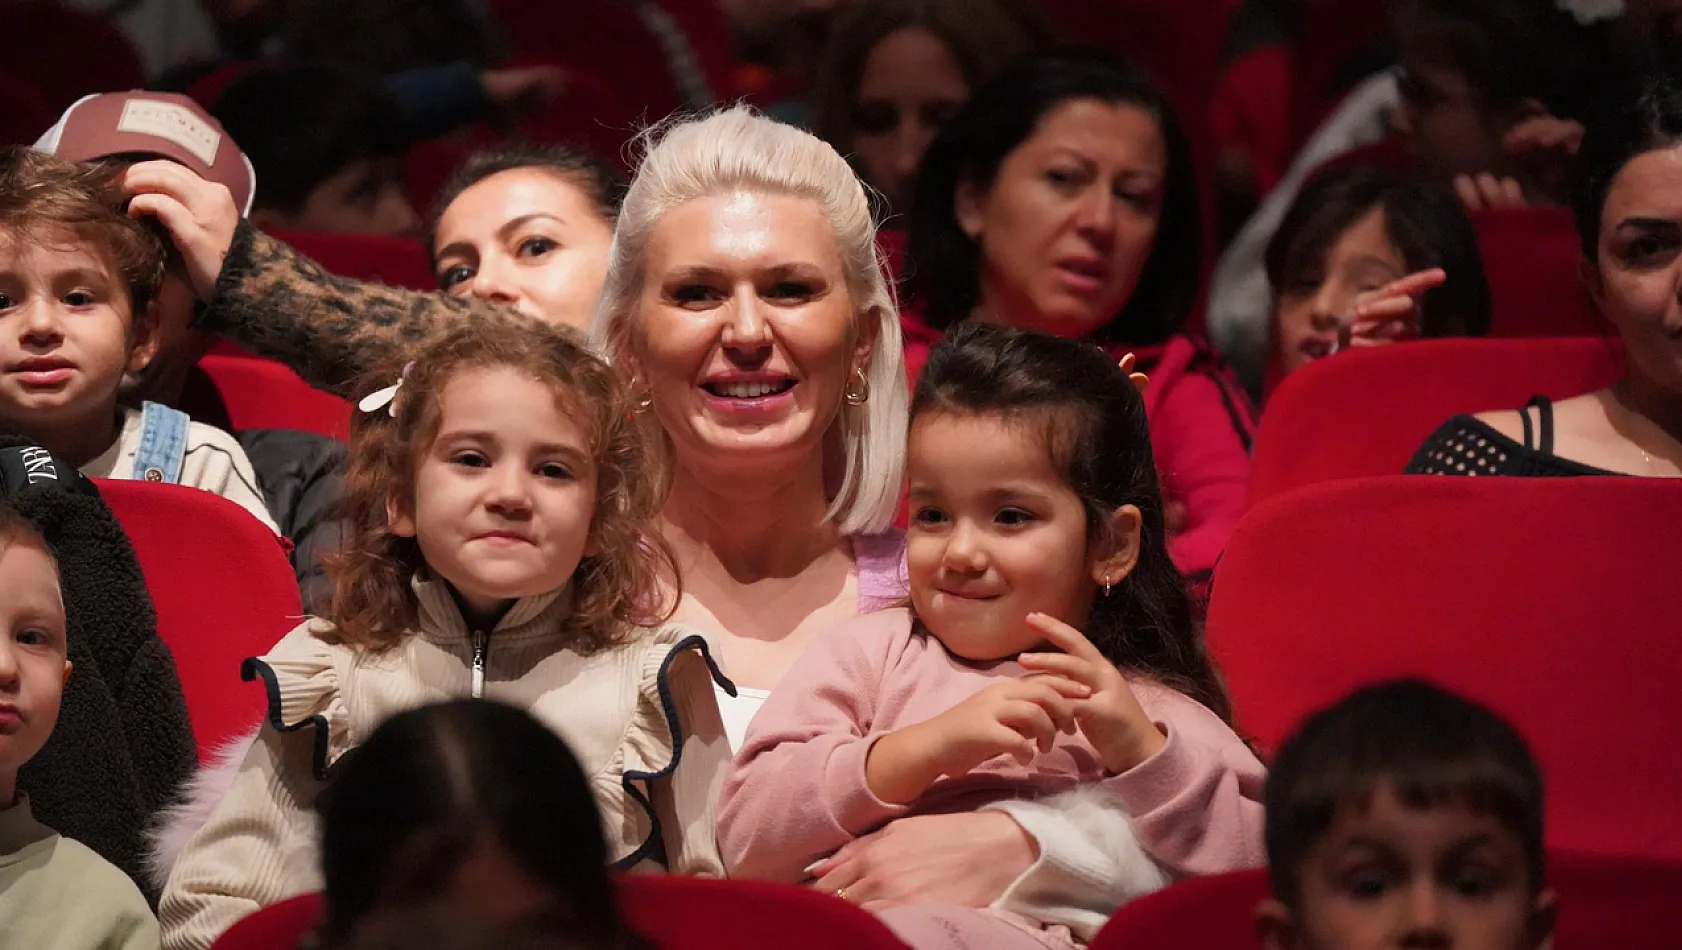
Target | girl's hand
(966,859)
(1390,313)
(200,216)
(1140,381)
(1015,717)
(1110,716)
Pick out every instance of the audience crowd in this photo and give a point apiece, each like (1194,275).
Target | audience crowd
(796,441)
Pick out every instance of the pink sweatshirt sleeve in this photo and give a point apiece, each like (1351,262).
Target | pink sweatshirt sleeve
(1201,438)
(797,789)
(1196,804)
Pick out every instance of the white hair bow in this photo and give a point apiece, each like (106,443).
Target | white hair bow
(386,397)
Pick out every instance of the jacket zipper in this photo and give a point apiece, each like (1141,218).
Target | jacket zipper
(481,646)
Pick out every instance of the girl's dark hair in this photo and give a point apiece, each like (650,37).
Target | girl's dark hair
(1427,225)
(604,186)
(1093,423)
(946,277)
(614,590)
(983,35)
(1513,50)
(431,788)
(1628,126)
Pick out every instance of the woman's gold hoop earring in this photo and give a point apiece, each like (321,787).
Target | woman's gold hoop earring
(857,391)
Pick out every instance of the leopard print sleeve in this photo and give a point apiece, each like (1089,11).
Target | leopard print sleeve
(329,329)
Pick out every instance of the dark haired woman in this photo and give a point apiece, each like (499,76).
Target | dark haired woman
(1062,199)
(1629,221)
(896,70)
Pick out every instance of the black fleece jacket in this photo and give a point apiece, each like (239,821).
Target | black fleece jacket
(123,744)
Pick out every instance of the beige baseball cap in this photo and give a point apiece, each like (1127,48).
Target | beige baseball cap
(153,123)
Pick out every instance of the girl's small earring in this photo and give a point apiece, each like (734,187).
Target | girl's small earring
(645,396)
(1107,586)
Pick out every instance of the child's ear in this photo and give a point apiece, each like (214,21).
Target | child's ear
(68,666)
(1543,917)
(1275,928)
(144,338)
(1116,551)
(398,518)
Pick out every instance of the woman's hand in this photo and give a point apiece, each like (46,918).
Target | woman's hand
(1390,313)
(199,215)
(1485,192)
(1110,717)
(963,860)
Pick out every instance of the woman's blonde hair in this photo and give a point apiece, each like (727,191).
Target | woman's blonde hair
(619,587)
(738,150)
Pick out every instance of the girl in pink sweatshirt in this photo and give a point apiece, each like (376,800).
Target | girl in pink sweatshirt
(1036,514)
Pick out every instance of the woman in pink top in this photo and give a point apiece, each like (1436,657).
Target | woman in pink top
(1062,198)
(1036,513)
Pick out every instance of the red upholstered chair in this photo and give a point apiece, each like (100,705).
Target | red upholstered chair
(1603,902)
(676,913)
(398,262)
(281,926)
(1365,412)
(1530,260)
(1554,601)
(223,591)
(687,913)
(264,394)
(66,53)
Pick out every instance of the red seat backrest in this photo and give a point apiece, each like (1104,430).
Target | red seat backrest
(66,53)
(1554,601)
(1530,260)
(1365,412)
(395,261)
(1603,902)
(223,591)
(603,37)
(264,394)
(676,913)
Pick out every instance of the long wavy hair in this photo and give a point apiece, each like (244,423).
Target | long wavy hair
(1093,420)
(619,587)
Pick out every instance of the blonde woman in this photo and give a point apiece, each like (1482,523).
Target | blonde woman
(746,304)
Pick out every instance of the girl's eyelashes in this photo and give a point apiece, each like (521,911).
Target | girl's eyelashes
(554,470)
(1013,517)
(928,516)
(470,459)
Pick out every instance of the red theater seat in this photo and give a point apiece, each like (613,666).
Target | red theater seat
(397,262)
(223,591)
(1554,601)
(1603,903)
(1530,260)
(1365,412)
(263,394)
(676,913)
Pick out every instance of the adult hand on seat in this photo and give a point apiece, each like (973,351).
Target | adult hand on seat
(199,215)
(965,860)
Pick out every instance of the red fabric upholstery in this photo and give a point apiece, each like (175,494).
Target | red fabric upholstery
(66,53)
(1329,34)
(1603,902)
(676,913)
(1250,113)
(398,262)
(686,913)
(1530,259)
(279,926)
(223,592)
(708,29)
(24,113)
(1554,601)
(1365,412)
(602,36)
(427,168)
(263,394)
